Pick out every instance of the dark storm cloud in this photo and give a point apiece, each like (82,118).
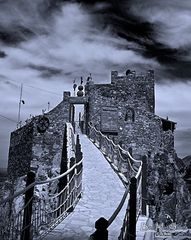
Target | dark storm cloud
(2,54)
(151,28)
(46,71)
(74,43)
(22,19)
(158,30)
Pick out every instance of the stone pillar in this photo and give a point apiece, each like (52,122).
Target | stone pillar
(66,95)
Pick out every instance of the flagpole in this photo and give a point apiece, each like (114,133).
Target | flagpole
(19,113)
(48,106)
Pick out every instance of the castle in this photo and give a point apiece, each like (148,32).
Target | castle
(124,110)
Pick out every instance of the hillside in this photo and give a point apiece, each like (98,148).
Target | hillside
(187,160)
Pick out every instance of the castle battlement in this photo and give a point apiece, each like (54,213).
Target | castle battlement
(131,76)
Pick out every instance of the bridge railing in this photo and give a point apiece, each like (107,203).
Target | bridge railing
(135,206)
(133,174)
(42,211)
(120,159)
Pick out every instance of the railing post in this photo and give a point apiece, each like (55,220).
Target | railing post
(132,209)
(144,185)
(78,153)
(79,156)
(130,151)
(26,230)
(100,141)
(64,162)
(73,117)
(86,119)
(87,129)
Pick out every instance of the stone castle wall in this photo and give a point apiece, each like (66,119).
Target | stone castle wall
(20,151)
(47,146)
(140,87)
(124,110)
(39,151)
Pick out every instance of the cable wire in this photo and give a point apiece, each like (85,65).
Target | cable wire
(8,118)
(59,94)
(41,89)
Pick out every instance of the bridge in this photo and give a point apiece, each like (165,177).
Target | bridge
(110,175)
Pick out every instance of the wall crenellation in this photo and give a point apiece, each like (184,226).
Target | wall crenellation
(131,76)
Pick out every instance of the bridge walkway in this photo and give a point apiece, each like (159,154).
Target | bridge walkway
(102,192)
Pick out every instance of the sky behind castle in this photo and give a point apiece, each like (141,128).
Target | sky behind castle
(46,44)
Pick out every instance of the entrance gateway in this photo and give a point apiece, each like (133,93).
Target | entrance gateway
(82,115)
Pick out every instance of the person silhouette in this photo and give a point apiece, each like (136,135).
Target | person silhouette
(101,232)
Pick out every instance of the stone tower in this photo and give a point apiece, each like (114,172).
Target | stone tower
(125,111)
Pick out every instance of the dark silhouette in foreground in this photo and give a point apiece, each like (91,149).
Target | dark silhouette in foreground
(101,232)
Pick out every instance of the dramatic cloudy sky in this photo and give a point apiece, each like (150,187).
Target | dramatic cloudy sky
(46,44)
